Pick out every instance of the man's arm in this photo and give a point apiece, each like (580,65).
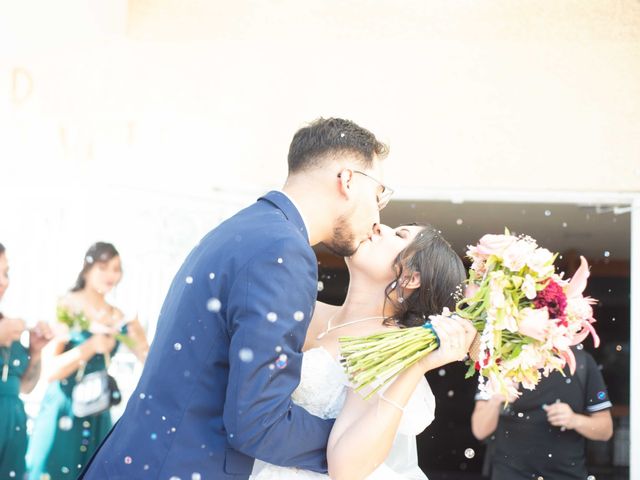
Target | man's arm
(594,426)
(269,309)
(485,416)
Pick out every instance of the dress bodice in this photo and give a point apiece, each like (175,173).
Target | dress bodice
(323,389)
(323,384)
(94,364)
(16,359)
(322,392)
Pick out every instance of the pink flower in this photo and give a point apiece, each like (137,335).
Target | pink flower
(570,358)
(479,266)
(471,290)
(586,329)
(494,244)
(580,306)
(578,283)
(553,297)
(534,323)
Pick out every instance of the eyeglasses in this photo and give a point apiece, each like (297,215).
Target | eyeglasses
(384,194)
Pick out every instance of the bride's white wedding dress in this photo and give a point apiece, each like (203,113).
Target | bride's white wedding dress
(322,392)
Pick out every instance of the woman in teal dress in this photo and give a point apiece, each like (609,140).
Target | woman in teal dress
(19,373)
(61,443)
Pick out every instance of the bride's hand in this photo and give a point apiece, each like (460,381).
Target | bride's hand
(456,335)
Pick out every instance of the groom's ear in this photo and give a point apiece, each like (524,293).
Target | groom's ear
(344,181)
(411,281)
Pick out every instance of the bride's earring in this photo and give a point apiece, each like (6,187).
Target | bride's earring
(394,286)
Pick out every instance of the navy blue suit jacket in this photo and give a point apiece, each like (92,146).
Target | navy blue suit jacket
(216,386)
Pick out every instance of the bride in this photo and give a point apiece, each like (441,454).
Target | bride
(398,278)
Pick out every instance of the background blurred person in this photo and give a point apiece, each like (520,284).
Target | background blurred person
(88,333)
(543,433)
(19,373)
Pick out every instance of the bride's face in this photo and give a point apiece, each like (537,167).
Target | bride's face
(375,256)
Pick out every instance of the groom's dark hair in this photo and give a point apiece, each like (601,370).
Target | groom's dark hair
(326,136)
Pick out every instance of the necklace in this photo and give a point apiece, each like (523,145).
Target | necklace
(330,328)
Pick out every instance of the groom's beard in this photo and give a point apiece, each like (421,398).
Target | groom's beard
(343,241)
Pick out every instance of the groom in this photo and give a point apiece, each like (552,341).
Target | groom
(216,389)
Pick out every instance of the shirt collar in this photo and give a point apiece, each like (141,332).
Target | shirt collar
(306,225)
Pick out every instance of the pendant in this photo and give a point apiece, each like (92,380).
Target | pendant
(5,373)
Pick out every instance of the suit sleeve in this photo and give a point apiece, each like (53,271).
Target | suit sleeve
(270,306)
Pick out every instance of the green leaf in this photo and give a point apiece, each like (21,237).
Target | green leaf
(126,340)
(471,370)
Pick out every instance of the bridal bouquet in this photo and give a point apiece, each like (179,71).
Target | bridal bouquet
(527,317)
(79,321)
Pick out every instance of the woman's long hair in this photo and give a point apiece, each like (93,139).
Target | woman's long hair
(441,276)
(99,252)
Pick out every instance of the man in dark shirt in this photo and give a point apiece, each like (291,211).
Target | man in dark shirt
(542,433)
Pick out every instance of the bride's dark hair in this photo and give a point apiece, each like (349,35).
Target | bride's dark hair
(441,276)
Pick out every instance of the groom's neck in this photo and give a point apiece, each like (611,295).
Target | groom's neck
(315,208)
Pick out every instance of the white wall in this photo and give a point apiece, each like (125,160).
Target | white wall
(194,94)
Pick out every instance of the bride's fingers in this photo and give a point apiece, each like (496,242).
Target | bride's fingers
(442,330)
(469,331)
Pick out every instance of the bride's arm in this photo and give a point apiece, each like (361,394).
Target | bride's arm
(364,432)
(365,429)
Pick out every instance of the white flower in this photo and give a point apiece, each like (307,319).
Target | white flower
(541,262)
(578,308)
(517,254)
(529,287)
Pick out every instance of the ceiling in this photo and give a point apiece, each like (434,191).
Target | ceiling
(598,234)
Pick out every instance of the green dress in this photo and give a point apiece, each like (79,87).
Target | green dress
(13,419)
(61,443)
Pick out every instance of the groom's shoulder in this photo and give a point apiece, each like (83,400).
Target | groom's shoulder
(258,227)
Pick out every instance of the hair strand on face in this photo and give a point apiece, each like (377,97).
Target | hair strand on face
(441,274)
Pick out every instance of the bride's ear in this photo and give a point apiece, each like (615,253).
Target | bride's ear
(411,282)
